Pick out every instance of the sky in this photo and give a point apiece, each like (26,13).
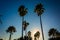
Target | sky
(9,10)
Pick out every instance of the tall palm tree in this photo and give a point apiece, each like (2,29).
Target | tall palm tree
(39,10)
(52,32)
(22,12)
(25,24)
(11,30)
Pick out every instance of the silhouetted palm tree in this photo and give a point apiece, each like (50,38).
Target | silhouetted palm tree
(38,34)
(52,32)
(35,35)
(25,24)
(11,30)
(29,36)
(39,10)
(22,12)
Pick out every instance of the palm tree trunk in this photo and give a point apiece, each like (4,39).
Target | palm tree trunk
(22,26)
(10,36)
(41,28)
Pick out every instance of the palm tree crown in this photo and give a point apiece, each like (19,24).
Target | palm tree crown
(39,9)
(52,32)
(25,24)
(38,34)
(22,10)
(11,29)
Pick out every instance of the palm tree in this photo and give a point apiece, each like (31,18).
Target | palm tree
(35,36)
(25,24)
(11,30)
(29,35)
(39,10)
(52,32)
(38,34)
(22,12)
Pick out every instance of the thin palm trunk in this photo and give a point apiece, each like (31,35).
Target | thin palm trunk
(22,26)
(41,28)
(10,36)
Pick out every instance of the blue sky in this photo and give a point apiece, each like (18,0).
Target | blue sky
(9,10)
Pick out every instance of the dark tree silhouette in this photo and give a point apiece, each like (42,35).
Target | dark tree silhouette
(26,37)
(25,24)
(54,34)
(37,35)
(22,12)
(11,30)
(39,10)
(29,35)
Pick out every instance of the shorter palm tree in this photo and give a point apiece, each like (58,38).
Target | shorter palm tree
(52,32)
(25,24)
(29,35)
(37,35)
(11,30)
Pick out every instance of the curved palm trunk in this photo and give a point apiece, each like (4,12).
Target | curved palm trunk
(41,28)
(22,26)
(10,36)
